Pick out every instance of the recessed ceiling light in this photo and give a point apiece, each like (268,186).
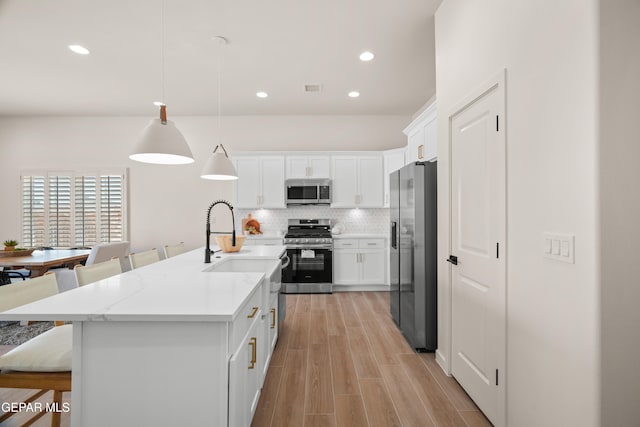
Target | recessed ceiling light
(262,94)
(354,94)
(158,103)
(80,50)
(366,56)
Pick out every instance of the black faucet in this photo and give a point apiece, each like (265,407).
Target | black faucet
(207,250)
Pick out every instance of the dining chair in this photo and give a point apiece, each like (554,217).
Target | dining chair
(92,273)
(42,363)
(99,253)
(173,250)
(141,259)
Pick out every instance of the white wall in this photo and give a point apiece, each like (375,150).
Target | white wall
(168,203)
(549,50)
(620,210)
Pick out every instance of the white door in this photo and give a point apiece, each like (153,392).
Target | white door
(346,268)
(477,240)
(373,263)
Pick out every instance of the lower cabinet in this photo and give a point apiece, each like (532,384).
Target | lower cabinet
(359,261)
(245,376)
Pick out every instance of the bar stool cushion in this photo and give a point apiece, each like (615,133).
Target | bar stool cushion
(47,352)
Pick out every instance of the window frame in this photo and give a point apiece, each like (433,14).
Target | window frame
(98,173)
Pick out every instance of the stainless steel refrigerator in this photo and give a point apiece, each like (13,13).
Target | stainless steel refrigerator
(413,215)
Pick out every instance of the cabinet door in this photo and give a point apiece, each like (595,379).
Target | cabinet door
(392,162)
(416,139)
(345,182)
(319,166)
(430,133)
(272,182)
(346,268)
(244,378)
(297,167)
(370,180)
(248,183)
(372,264)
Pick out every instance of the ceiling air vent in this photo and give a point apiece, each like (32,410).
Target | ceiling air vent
(313,88)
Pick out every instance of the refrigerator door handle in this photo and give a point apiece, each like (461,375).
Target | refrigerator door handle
(394,235)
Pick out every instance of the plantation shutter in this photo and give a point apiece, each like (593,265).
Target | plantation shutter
(86,211)
(73,209)
(111,208)
(60,211)
(33,211)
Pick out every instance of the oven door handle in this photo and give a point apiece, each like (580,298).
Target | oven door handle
(324,248)
(286,264)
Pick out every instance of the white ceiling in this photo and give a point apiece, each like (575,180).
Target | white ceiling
(277,46)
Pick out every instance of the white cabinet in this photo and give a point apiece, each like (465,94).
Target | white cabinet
(359,261)
(308,167)
(244,377)
(422,137)
(393,160)
(260,182)
(357,182)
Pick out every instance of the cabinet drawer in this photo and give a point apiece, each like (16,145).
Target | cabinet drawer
(371,243)
(249,312)
(345,243)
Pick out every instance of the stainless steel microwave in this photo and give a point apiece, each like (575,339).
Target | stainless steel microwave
(307,191)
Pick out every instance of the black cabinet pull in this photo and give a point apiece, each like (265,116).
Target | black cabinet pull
(453,259)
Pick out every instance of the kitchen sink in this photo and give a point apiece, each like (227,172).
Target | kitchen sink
(271,268)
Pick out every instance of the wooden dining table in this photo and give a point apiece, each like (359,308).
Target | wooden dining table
(41,260)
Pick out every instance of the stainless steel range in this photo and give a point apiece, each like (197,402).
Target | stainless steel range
(310,249)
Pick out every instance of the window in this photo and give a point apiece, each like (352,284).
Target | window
(73,209)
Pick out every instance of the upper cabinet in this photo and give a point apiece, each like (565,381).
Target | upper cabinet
(393,160)
(357,181)
(308,166)
(422,137)
(260,182)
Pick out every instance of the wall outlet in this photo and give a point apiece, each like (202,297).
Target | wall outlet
(559,246)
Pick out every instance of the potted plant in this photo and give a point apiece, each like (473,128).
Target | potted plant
(10,245)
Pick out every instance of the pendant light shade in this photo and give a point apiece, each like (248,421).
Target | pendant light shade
(162,143)
(219,166)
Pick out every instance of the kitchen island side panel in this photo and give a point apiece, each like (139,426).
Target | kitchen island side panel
(161,363)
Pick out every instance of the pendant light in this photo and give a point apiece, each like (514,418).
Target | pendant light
(161,142)
(219,166)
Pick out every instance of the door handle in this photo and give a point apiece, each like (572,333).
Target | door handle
(453,259)
(253,343)
(394,236)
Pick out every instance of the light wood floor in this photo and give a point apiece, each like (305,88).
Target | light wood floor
(341,361)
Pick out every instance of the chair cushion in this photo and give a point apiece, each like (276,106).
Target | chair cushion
(48,352)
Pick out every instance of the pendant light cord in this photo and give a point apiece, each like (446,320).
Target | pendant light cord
(220,94)
(162,54)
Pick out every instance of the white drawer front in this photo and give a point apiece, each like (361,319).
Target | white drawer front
(248,313)
(345,243)
(371,243)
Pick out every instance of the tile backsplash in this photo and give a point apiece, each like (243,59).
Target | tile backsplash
(274,221)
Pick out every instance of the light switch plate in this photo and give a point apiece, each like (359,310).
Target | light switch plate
(559,247)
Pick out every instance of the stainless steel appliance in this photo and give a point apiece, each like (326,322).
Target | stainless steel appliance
(413,253)
(310,250)
(307,191)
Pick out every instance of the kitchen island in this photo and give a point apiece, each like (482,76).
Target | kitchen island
(175,342)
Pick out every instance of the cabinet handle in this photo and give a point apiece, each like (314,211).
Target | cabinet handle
(273,318)
(253,313)
(253,343)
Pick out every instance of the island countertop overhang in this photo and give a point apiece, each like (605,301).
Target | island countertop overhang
(175,289)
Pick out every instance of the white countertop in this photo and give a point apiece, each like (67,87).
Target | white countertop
(263,236)
(359,236)
(176,289)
